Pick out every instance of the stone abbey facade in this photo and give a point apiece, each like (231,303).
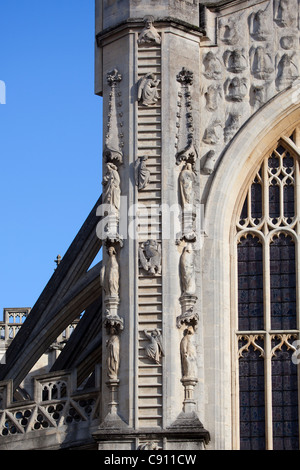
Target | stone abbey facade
(186,335)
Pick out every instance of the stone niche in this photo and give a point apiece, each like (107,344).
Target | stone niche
(118,11)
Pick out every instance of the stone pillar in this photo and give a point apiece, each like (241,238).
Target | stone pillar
(147,68)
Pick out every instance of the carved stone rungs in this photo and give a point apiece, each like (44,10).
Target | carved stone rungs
(149,299)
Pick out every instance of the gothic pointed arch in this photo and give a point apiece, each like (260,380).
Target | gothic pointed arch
(272,124)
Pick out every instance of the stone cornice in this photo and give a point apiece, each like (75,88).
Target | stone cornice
(218,5)
(138,23)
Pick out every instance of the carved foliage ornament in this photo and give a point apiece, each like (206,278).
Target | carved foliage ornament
(186,150)
(114,134)
(185,77)
(190,317)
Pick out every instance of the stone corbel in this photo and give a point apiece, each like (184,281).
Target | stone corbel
(188,315)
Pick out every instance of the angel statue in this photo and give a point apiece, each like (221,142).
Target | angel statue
(154,349)
(150,256)
(147,90)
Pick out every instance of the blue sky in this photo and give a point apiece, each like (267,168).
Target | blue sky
(51,139)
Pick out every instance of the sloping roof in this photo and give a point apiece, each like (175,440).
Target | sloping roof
(71,290)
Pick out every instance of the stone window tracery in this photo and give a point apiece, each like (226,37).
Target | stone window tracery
(266,323)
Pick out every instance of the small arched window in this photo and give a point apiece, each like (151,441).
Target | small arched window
(267,319)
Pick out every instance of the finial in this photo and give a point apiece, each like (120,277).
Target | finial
(57,261)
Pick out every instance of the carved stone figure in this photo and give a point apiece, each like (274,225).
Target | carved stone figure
(213,66)
(113,353)
(261,63)
(284,13)
(235,61)
(209,162)
(142,173)
(150,256)
(113,139)
(111,275)
(154,349)
(188,355)
(149,34)
(212,95)
(287,71)
(187,271)
(289,42)
(147,90)
(186,184)
(260,28)
(111,187)
(228,30)
(213,133)
(151,445)
(236,89)
(232,125)
(258,95)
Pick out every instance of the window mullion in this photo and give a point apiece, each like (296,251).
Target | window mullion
(297,256)
(268,393)
(278,286)
(267,312)
(268,347)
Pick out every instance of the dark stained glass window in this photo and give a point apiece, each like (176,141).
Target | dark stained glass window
(252,401)
(268,317)
(284,401)
(283,283)
(250,280)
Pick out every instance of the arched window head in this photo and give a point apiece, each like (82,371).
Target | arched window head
(267,308)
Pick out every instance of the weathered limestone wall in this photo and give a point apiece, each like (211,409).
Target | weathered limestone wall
(195,94)
(210,67)
(152,102)
(249,97)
